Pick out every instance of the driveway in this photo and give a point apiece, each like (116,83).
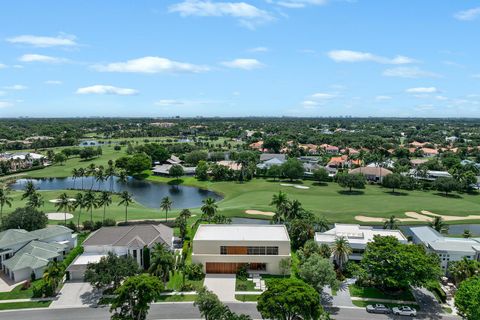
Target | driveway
(76,294)
(6,284)
(223,285)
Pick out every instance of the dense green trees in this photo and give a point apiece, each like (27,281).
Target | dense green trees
(111,270)
(444,184)
(201,171)
(318,272)
(292,169)
(467,298)
(211,308)
(392,181)
(176,171)
(351,181)
(134,296)
(391,265)
(320,175)
(288,299)
(27,218)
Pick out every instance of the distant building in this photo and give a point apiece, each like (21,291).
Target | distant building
(357,236)
(430,175)
(89,143)
(448,249)
(374,174)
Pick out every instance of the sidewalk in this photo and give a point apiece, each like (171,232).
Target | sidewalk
(384,300)
(28,300)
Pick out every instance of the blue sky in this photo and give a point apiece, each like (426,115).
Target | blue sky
(240,58)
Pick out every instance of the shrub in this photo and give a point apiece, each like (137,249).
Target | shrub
(109,222)
(194,271)
(117,148)
(97,225)
(87,225)
(242,272)
(72,226)
(26,284)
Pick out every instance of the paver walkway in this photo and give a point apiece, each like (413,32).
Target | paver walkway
(223,285)
(76,294)
(6,284)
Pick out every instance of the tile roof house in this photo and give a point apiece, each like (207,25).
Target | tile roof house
(375,174)
(23,253)
(123,240)
(429,152)
(330,149)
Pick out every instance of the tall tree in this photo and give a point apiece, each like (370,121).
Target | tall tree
(209,208)
(280,201)
(125,200)
(64,204)
(35,200)
(90,202)
(467,298)
(318,272)
(111,270)
(161,262)
(166,205)
(289,299)
(79,203)
(104,200)
(134,296)
(5,199)
(28,190)
(439,224)
(27,218)
(341,250)
(391,223)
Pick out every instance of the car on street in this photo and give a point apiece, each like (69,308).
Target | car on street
(404,311)
(378,308)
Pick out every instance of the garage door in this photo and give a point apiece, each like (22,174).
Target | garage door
(222,267)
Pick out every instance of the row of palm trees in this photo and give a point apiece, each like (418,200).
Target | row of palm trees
(99,175)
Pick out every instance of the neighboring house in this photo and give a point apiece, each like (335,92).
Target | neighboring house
(429,152)
(330,149)
(417,162)
(448,249)
(257,145)
(309,148)
(230,164)
(23,252)
(430,175)
(375,174)
(164,170)
(122,241)
(389,163)
(268,160)
(357,236)
(417,144)
(174,160)
(227,248)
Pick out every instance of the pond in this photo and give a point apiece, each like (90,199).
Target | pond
(147,193)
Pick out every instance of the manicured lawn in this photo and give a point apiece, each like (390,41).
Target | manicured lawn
(245,285)
(175,282)
(363,304)
(374,293)
(177,298)
(19,293)
(24,305)
(247,297)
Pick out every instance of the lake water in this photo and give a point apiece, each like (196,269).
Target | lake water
(144,192)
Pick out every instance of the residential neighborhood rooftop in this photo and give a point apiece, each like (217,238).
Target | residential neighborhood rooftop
(242,232)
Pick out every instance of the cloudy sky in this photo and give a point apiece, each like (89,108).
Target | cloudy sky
(245,58)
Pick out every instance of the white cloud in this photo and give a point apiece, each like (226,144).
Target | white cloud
(15,87)
(322,96)
(258,49)
(309,104)
(245,64)
(383,98)
(5,104)
(422,90)
(62,40)
(248,15)
(104,89)
(300,3)
(358,56)
(185,102)
(32,57)
(409,72)
(53,82)
(468,15)
(2,66)
(151,65)
(169,102)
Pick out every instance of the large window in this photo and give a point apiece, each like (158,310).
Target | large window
(255,251)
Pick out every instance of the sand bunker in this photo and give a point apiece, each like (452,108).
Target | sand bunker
(301,187)
(286,185)
(58,216)
(262,213)
(424,216)
(294,185)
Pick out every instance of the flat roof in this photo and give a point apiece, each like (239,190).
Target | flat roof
(87,258)
(430,237)
(241,232)
(355,233)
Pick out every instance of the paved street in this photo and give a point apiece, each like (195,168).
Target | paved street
(179,311)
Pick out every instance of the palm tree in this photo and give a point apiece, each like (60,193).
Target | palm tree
(391,223)
(293,210)
(4,200)
(166,205)
(466,233)
(162,262)
(185,214)
(463,269)
(280,201)
(54,274)
(340,251)
(81,174)
(109,174)
(123,176)
(439,225)
(321,224)
(99,177)
(74,176)
(89,202)
(91,170)
(104,201)
(181,222)
(35,200)
(126,200)
(79,203)
(209,208)
(28,190)
(63,204)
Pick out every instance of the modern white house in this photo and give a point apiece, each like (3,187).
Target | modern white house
(226,248)
(122,241)
(448,249)
(357,236)
(24,253)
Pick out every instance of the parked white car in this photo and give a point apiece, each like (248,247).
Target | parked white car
(404,311)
